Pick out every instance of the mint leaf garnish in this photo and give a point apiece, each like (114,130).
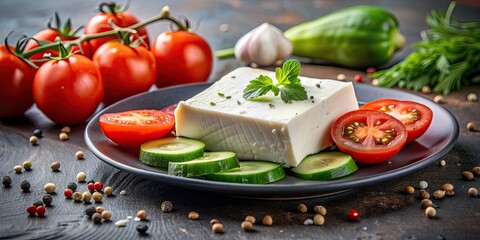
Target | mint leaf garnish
(288,84)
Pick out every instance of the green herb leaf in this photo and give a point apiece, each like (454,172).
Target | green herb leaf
(289,71)
(258,87)
(294,92)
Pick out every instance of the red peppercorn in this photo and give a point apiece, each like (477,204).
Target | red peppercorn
(68,193)
(41,211)
(357,78)
(91,187)
(98,186)
(32,210)
(353,215)
(371,70)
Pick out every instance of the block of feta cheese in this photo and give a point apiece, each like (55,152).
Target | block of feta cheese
(265,128)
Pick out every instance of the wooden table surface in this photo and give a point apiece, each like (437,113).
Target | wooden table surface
(386,211)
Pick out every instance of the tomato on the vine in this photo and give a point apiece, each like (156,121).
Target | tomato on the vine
(125,70)
(416,116)
(16,78)
(63,33)
(369,136)
(182,57)
(132,128)
(119,17)
(68,91)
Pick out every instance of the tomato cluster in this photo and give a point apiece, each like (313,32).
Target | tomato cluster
(72,81)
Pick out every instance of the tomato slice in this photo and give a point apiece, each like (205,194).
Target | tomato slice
(132,128)
(416,116)
(369,136)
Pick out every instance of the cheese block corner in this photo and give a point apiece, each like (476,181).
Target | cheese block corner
(266,128)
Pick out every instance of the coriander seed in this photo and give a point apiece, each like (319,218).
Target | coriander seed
(447,187)
(108,191)
(55,166)
(106,215)
(81,176)
(66,129)
(97,197)
(97,218)
(426,89)
(7,181)
(86,197)
(63,136)
(141,228)
(27,165)
(471,126)
(100,209)
(409,189)
(33,140)
(267,220)
(142,215)
(193,215)
(320,210)
(430,212)
(318,219)
(166,206)
(79,155)
(250,219)
(472,97)
(77,196)
(467,175)
(302,208)
(25,186)
(17,168)
(49,188)
(423,194)
(217,228)
(246,226)
(476,171)
(426,203)
(439,194)
(473,192)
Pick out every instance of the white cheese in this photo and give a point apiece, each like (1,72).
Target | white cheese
(266,128)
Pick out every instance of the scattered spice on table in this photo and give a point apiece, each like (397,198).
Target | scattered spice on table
(166,206)
(6,181)
(430,212)
(267,220)
(47,200)
(33,140)
(467,175)
(55,166)
(49,187)
(25,186)
(27,165)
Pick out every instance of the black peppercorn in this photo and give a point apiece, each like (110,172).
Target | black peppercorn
(91,181)
(25,186)
(142,228)
(6,181)
(90,210)
(47,200)
(37,133)
(96,217)
(72,186)
(38,203)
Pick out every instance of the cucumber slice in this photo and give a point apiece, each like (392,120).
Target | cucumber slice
(160,152)
(325,166)
(254,172)
(210,162)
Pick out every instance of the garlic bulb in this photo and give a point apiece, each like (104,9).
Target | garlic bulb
(263,46)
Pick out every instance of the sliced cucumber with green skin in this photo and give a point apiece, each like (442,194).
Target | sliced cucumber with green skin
(160,152)
(325,166)
(210,162)
(253,172)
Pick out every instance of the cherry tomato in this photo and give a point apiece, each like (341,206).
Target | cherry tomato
(369,136)
(16,79)
(416,116)
(132,128)
(100,23)
(182,57)
(68,91)
(125,71)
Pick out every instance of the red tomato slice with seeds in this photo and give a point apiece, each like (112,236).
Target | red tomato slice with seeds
(415,116)
(369,136)
(132,128)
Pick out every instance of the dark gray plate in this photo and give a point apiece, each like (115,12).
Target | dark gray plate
(435,143)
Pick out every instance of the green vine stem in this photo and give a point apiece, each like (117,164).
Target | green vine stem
(163,15)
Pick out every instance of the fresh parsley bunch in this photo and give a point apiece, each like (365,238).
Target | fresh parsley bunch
(288,84)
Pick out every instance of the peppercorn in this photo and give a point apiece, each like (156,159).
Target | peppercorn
(302,208)
(123,193)
(341,77)
(7,181)
(141,228)
(438,99)
(213,221)
(424,194)
(17,168)
(449,193)
(86,197)
(97,197)
(166,206)
(142,215)
(38,203)
(63,136)
(33,140)
(47,200)
(320,210)
(27,165)
(370,70)
(467,175)
(423,184)
(37,133)
(357,78)
(68,193)
(472,97)
(98,186)
(90,210)
(442,163)
(374,82)
(91,181)
(409,189)
(106,215)
(476,171)
(246,226)
(72,186)
(471,126)
(439,194)
(430,212)
(447,187)
(49,188)
(79,155)
(473,192)
(25,186)
(318,219)
(100,209)
(426,89)
(193,215)
(91,187)
(65,129)
(32,210)
(55,166)
(97,218)
(81,176)
(308,221)
(41,211)
(267,220)
(217,228)
(426,203)
(250,219)
(353,215)
(77,196)
(108,191)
